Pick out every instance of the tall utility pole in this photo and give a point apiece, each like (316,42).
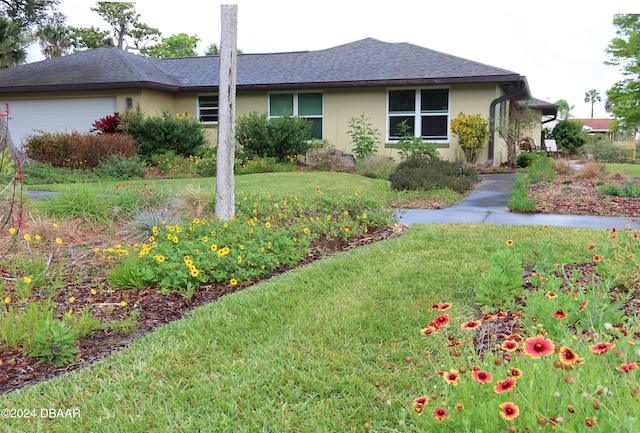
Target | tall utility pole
(225,185)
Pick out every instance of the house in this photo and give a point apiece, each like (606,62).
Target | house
(599,127)
(387,82)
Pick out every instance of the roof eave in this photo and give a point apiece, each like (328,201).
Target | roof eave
(90,86)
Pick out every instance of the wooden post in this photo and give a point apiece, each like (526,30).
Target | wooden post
(225,185)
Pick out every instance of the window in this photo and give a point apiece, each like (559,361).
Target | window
(306,105)
(426,113)
(208,109)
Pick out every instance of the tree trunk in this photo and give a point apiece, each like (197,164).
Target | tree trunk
(225,197)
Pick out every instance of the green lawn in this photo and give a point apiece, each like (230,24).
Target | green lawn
(302,352)
(632,170)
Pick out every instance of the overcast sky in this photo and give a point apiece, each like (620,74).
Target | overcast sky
(558,45)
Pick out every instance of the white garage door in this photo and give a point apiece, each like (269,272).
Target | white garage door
(56,115)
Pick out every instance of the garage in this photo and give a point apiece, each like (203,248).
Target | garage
(56,115)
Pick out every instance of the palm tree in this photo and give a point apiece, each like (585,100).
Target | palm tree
(592,96)
(564,108)
(12,44)
(54,36)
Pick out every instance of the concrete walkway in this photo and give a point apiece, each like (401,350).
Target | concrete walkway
(487,204)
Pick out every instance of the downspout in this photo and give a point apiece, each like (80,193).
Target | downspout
(522,88)
(555,116)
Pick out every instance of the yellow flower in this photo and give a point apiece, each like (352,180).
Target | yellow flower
(27,280)
(93,292)
(58,241)
(267,224)
(233,282)
(7,299)
(158,258)
(38,237)
(509,242)
(27,237)
(239,259)
(194,271)
(72,299)
(55,225)
(12,230)
(123,303)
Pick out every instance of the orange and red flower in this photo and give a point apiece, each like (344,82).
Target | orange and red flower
(538,347)
(474,324)
(509,410)
(440,321)
(440,413)
(568,356)
(559,314)
(509,346)
(481,376)
(419,403)
(583,306)
(452,377)
(600,348)
(428,330)
(551,295)
(627,366)
(441,307)
(515,372)
(505,385)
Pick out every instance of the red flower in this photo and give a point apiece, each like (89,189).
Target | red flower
(440,413)
(583,306)
(474,324)
(600,348)
(429,330)
(568,357)
(509,346)
(538,347)
(627,366)
(442,320)
(515,372)
(559,314)
(453,344)
(596,258)
(551,295)
(481,376)
(505,385)
(452,377)
(441,307)
(509,410)
(589,422)
(459,407)
(419,402)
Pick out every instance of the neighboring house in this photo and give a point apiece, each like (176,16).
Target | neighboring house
(387,82)
(599,127)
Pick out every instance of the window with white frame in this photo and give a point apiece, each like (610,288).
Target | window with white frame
(306,105)
(425,111)
(208,109)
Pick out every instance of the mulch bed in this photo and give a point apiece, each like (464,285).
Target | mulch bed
(18,370)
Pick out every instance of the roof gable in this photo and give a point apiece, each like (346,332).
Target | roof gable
(365,62)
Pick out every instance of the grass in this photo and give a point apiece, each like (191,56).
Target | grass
(294,183)
(328,347)
(632,170)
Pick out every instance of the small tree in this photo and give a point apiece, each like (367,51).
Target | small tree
(363,137)
(510,130)
(472,131)
(569,135)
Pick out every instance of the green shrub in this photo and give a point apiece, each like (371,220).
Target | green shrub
(77,150)
(363,137)
(432,174)
(501,285)
(53,341)
(525,159)
(569,135)
(376,167)
(39,173)
(410,146)
(165,133)
(280,137)
(175,166)
(603,151)
(120,167)
(629,189)
(541,170)
(519,200)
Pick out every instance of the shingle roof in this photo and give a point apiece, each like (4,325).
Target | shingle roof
(365,62)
